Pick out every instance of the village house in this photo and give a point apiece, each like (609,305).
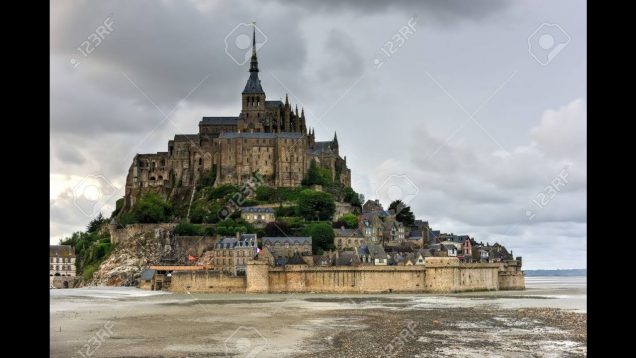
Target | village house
(285,247)
(373,254)
(230,254)
(61,260)
(371,206)
(258,216)
(348,238)
(393,232)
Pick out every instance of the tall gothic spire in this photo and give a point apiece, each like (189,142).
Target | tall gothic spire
(253,85)
(254,60)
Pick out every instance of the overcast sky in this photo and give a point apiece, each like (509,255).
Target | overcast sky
(476,116)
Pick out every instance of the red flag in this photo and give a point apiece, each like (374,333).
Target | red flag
(191,258)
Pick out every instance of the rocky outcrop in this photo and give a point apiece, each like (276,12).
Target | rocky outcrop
(123,267)
(143,248)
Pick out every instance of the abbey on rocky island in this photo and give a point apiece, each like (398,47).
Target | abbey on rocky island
(267,136)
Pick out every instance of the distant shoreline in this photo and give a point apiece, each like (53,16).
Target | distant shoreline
(567,272)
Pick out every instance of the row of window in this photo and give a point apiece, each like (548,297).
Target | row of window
(229,253)
(60,259)
(61,267)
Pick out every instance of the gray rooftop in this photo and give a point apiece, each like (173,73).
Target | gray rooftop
(253,84)
(343,232)
(261,135)
(61,251)
(219,120)
(273,104)
(287,239)
(322,147)
(147,274)
(186,138)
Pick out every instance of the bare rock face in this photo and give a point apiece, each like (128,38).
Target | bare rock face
(123,267)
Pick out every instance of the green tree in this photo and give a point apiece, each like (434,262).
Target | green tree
(317,175)
(187,229)
(265,193)
(316,205)
(403,212)
(322,236)
(152,208)
(96,223)
(350,196)
(350,221)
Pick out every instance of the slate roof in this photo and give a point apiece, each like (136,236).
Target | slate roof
(186,138)
(287,239)
(253,209)
(219,120)
(345,258)
(147,274)
(343,232)
(273,104)
(261,135)
(449,247)
(376,250)
(61,251)
(253,84)
(296,260)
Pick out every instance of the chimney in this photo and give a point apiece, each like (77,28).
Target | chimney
(238,236)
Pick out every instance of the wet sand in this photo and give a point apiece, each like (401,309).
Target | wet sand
(546,320)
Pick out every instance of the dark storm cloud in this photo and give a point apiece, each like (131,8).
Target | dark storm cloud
(443,10)
(166,50)
(69,154)
(344,63)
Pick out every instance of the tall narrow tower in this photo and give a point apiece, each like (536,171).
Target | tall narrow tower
(253,104)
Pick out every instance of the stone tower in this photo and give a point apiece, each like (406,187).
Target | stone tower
(253,97)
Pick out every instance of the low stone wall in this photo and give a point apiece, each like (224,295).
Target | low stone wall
(347,279)
(438,275)
(122,234)
(206,281)
(65,281)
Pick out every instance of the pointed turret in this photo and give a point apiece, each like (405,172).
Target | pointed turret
(303,124)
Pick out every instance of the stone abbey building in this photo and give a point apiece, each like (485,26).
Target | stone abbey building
(270,137)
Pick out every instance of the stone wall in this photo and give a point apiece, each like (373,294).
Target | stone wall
(511,277)
(438,275)
(59,281)
(123,234)
(206,281)
(347,279)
